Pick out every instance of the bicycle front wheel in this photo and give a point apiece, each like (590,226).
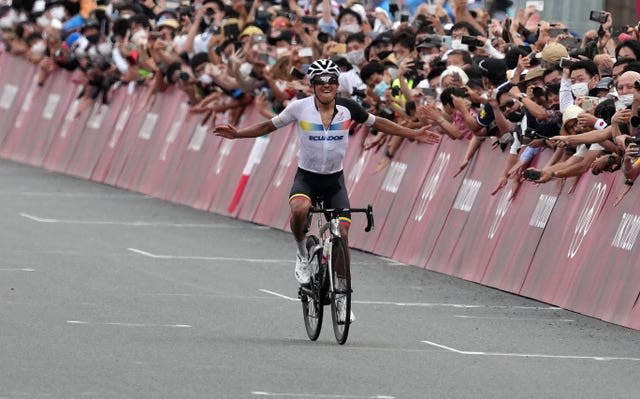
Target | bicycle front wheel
(312,308)
(341,294)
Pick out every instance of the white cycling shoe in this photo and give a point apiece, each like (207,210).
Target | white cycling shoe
(342,311)
(302,271)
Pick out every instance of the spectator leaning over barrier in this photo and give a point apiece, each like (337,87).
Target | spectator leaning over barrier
(320,165)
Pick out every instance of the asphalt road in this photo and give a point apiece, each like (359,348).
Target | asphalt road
(106,293)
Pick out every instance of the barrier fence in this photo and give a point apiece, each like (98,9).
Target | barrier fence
(577,250)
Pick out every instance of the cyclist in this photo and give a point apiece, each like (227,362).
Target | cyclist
(322,127)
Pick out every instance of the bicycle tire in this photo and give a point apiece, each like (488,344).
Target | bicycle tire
(312,307)
(340,259)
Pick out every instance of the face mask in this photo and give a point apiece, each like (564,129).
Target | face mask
(205,79)
(351,28)
(579,89)
(457,45)
(140,36)
(104,48)
(626,99)
(355,57)
(43,21)
(38,48)
(57,13)
(381,88)
(516,116)
(93,39)
(394,73)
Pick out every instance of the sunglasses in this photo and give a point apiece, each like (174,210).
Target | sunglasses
(507,105)
(321,80)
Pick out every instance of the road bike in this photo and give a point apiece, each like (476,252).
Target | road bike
(330,272)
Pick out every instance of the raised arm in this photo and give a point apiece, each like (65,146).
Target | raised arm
(257,130)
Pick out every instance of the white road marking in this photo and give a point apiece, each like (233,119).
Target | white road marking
(217,258)
(288,298)
(130,324)
(135,224)
(462,316)
(427,304)
(24,269)
(530,355)
(312,395)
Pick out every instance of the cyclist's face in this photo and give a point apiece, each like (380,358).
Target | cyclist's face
(325,89)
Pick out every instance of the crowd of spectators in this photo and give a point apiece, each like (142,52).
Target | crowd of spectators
(520,83)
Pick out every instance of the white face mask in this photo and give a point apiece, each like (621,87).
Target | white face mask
(140,36)
(355,57)
(351,28)
(38,48)
(205,79)
(57,13)
(579,89)
(43,21)
(457,45)
(104,48)
(624,101)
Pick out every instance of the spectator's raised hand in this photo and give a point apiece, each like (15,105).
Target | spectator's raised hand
(622,116)
(586,120)
(427,136)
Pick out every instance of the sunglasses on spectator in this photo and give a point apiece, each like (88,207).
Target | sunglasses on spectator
(507,105)
(321,80)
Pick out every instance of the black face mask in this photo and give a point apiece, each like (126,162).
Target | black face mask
(93,39)
(516,116)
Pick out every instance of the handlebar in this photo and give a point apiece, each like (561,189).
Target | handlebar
(332,213)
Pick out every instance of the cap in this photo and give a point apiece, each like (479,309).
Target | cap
(552,53)
(491,67)
(605,83)
(571,112)
(250,31)
(168,22)
(533,73)
(384,37)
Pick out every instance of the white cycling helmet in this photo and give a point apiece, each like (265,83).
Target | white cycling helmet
(323,66)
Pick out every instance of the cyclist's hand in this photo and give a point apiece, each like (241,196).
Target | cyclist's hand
(226,131)
(427,136)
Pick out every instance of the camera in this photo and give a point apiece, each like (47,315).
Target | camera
(636,85)
(531,174)
(296,73)
(598,16)
(309,20)
(210,12)
(566,62)
(459,92)
(631,140)
(472,41)
(183,76)
(404,16)
(386,113)
(538,92)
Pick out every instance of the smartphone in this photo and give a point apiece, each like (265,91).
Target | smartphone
(258,38)
(553,32)
(263,57)
(309,20)
(429,92)
(531,174)
(231,31)
(598,16)
(296,73)
(471,41)
(589,103)
(305,52)
(566,62)
(447,41)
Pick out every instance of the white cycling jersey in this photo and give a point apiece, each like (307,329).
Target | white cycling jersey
(322,150)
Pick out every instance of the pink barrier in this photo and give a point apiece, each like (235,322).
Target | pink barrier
(437,193)
(100,120)
(273,208)
(15,89)
(577,251)
(111,154)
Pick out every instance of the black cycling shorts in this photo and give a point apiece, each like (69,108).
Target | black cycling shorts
(317,187)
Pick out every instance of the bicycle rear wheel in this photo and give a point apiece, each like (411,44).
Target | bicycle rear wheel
(341,290)
(312,308)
